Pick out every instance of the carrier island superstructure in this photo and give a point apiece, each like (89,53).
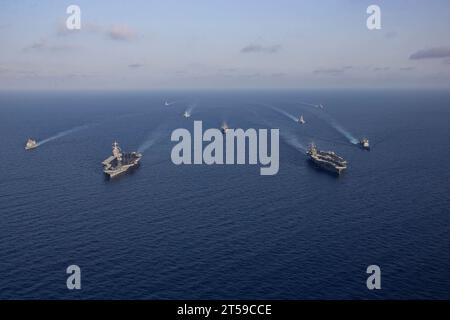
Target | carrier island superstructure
(120,162)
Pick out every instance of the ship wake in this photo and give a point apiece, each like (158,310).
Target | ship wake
(321,114)
(343,131)
(169,103)
(62,134)
(285,113)
(190,109)
(293,141)
(154,137)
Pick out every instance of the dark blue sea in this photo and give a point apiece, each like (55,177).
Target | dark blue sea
(225,232)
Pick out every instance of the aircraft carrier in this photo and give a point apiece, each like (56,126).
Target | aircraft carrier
(326,160)
(120,162)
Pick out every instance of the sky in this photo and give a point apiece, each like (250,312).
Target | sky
(223,44)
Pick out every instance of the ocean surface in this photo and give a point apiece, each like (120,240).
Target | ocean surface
(225,232)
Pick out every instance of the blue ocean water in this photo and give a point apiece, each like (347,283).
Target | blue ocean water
(225,232)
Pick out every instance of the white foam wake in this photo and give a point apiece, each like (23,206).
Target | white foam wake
(153,137)
(293,141)
(191,108)
(62,134)
(285,113)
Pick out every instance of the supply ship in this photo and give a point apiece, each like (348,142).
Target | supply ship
(326,160)
(120,162)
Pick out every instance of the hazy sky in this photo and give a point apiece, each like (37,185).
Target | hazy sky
(142,44)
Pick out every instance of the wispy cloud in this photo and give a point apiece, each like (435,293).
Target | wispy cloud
(43,45)
(256,48)
(89,27)
(114,32)
(227,70)
(135,65)
(432,53)
(121,33)
(406,68)
(332,71)
(377,69)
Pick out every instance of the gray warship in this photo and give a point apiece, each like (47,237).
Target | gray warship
(224,128)
(364,143)
(326,160)
(31,144)
(120,162)
(301,120)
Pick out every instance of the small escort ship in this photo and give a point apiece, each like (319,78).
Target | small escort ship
(301,120)
(326,160)
(120,162)
(31,144)
(224,128)
(364,143)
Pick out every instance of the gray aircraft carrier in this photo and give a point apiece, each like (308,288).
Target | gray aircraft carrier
(326,160)
(120,162)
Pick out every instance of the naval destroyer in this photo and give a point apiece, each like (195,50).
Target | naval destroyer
(224,128)
(120,162)
(301,120)
(31,144)
(364,143)
(326,160)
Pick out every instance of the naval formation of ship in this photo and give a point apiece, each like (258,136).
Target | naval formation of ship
(120,162)
(327,160)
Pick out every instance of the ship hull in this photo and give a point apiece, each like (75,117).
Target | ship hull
(121,171)
(326,167)
(113,167)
